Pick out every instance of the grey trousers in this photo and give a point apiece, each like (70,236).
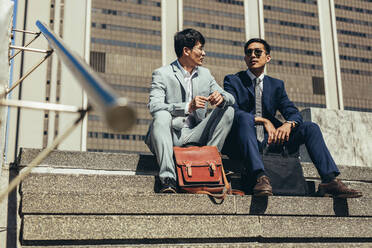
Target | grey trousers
(211,131)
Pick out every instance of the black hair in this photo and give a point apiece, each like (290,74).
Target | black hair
(187,38)
(262,41)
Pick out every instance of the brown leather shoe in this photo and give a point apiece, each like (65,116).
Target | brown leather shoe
(337,189)
(263,187)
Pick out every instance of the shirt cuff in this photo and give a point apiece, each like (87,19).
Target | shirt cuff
(187,108)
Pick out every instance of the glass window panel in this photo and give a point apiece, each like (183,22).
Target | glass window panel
(125,49)
(292,29)
(354,34)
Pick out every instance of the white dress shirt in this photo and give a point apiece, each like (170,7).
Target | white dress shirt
(253,78)
(188,81)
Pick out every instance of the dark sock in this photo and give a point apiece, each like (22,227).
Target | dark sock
(259,173)
(328,178)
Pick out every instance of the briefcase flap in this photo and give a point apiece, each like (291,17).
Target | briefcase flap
(197,155)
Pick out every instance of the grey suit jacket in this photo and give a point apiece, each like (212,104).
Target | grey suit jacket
(168,92)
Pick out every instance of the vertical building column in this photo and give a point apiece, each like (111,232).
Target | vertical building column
(25,126)
(171,22)
(75,23)
(54,73)
(330,55)
(254,19)
(6,11)
(88,21)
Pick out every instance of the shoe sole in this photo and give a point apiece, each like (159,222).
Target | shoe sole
(263,193)
(343,196)
(168,191)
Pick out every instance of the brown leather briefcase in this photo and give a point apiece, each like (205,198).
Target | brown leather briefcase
(200,171)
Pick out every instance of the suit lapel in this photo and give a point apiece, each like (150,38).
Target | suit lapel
(266,93)
(196,90)
(195,85)
(250,86)
(247,82)
(178,74)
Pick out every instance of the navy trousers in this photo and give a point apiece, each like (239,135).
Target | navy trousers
(242,144)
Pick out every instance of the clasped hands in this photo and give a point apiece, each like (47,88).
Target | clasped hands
(276,135)
(199,101)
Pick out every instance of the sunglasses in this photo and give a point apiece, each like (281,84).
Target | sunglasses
(257,52)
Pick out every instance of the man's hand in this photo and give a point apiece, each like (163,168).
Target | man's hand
(215,98)
(282,133)
(197,102)
(270,129)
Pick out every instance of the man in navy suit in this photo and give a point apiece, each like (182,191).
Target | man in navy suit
(246,140)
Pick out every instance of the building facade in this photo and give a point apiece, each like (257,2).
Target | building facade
(126,47)
(292,29)
(354,32)
(321,49)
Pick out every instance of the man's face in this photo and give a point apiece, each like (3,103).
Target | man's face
(196,54)
(256,56)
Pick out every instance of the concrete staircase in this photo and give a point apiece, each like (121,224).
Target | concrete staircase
(77,199)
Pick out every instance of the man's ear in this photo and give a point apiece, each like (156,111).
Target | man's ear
(246,59)
(186,51)
(268,58)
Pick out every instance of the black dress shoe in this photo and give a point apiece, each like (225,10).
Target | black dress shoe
(168,185)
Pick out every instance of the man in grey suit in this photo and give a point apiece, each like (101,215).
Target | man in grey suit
(179,96)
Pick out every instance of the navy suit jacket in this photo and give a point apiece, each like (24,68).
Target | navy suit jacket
(274,98)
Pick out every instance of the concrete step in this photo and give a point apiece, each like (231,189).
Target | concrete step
(351,173)
(122,203)
(137,227)
(218,245)
(90,160)
(147,163)
(129,184)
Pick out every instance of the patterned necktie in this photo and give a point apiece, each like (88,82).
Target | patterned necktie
(258,93)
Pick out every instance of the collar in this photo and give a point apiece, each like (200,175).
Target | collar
(186,73)
(253,77)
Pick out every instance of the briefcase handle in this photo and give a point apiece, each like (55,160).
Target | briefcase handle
(284,153)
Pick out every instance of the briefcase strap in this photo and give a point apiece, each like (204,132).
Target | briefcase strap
(227,190)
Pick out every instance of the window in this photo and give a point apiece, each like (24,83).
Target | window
(318,86)
(98,61)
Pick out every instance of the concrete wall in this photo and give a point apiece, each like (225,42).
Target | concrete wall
(348,135)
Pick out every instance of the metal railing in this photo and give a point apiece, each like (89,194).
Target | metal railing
(116,110)
(118,113)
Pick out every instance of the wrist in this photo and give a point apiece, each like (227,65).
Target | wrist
(222,104)
(191,107)
(291,123)
(260,120)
